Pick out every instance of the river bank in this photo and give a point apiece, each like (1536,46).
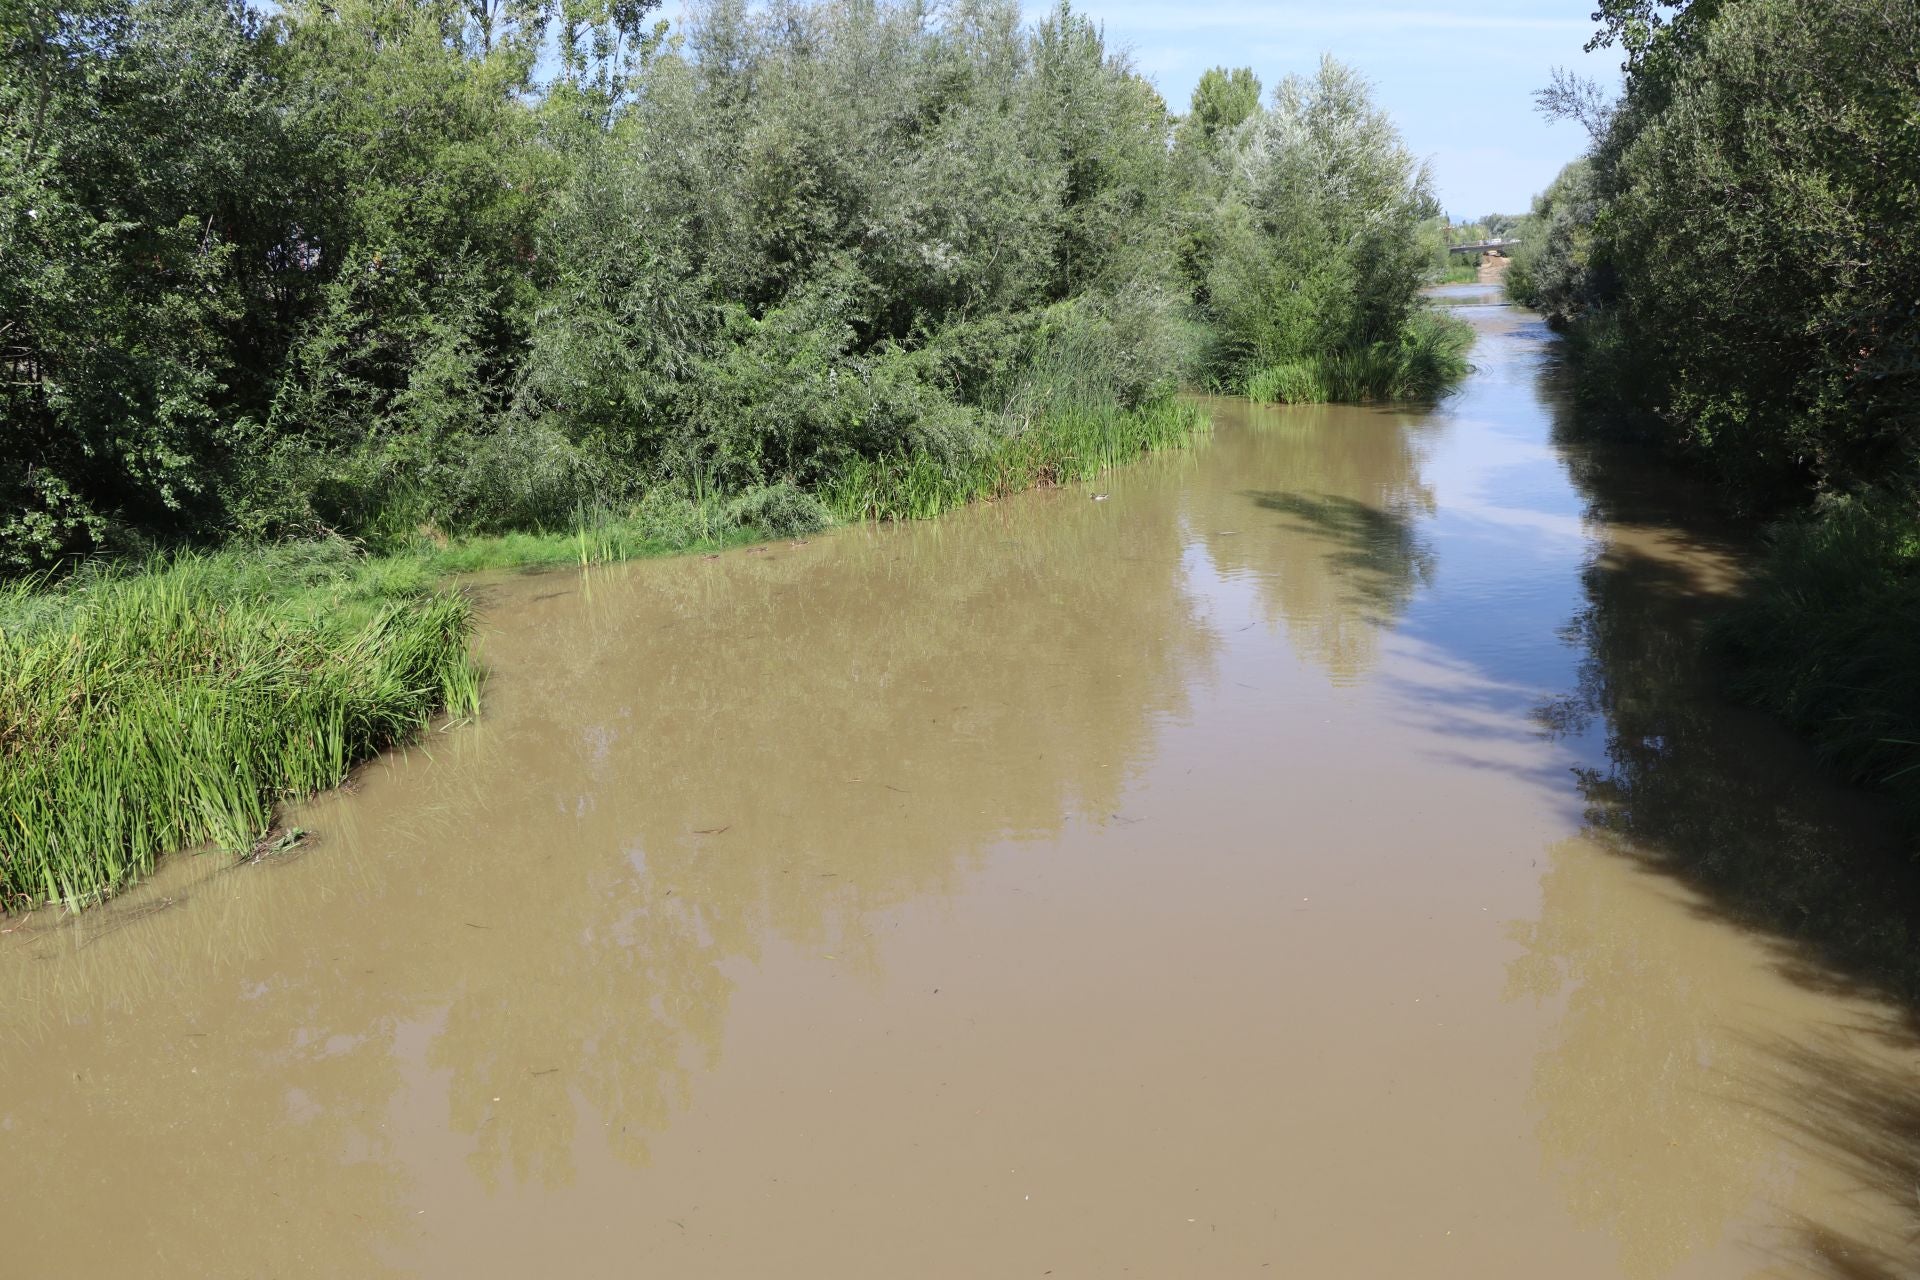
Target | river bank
(148,711)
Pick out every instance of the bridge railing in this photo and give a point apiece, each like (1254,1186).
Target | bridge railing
(1483,246)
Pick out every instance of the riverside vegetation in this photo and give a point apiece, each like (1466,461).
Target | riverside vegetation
(1736,266)
(301,311)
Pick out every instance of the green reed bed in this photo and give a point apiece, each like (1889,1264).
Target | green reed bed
(600,535)
(1426,360)
(1065,444)
(664,521)
(156,710)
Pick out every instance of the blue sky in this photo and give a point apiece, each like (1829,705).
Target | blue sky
(1458,78)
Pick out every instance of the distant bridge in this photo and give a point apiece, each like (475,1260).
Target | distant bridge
(1484,246)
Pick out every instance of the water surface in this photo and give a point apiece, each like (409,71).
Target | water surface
(1323,857)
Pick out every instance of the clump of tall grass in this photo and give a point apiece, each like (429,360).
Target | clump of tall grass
(1429,357)
(156,710)
(1295,382)
(1094,390)
(1071,442)
(783,510)
(665,521)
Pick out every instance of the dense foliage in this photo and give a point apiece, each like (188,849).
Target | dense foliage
(405,267)
(1318,223)
(1736,259)
(1743,228)
(1550,271)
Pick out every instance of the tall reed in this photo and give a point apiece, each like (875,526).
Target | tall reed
(1429,357)
(1067,443)
(170,708)
(1824,636)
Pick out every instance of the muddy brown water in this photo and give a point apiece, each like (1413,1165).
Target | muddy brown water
(1322,858)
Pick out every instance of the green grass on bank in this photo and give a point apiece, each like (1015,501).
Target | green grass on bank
(660,524)
(153,708)
(1828,638)
(1067,444)
(161,706)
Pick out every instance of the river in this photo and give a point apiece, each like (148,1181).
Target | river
(1322,856)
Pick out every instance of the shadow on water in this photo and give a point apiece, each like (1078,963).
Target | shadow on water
(1709,792)
(1861,1117)
(1720,800)
(1376,549)
(1627,1072)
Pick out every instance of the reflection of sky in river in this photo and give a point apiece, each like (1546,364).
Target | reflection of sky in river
(1509,532)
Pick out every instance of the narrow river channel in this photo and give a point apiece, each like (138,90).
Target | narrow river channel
(1323,857)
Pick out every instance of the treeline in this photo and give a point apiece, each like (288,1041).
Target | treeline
(481,282)
(1737,261)
(398,269)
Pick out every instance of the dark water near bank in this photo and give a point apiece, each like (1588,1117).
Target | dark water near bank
(1323,857)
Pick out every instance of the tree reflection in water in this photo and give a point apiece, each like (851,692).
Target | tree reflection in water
(1333,539)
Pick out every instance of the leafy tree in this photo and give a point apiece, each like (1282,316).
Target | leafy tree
(1321,220)
(150,263)
(1738,235)
(1222,101)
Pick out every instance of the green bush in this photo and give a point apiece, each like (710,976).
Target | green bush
(1323,237)
(1550,268)
(1296,382)
(781,510)
(1738,230)
(1428,358)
